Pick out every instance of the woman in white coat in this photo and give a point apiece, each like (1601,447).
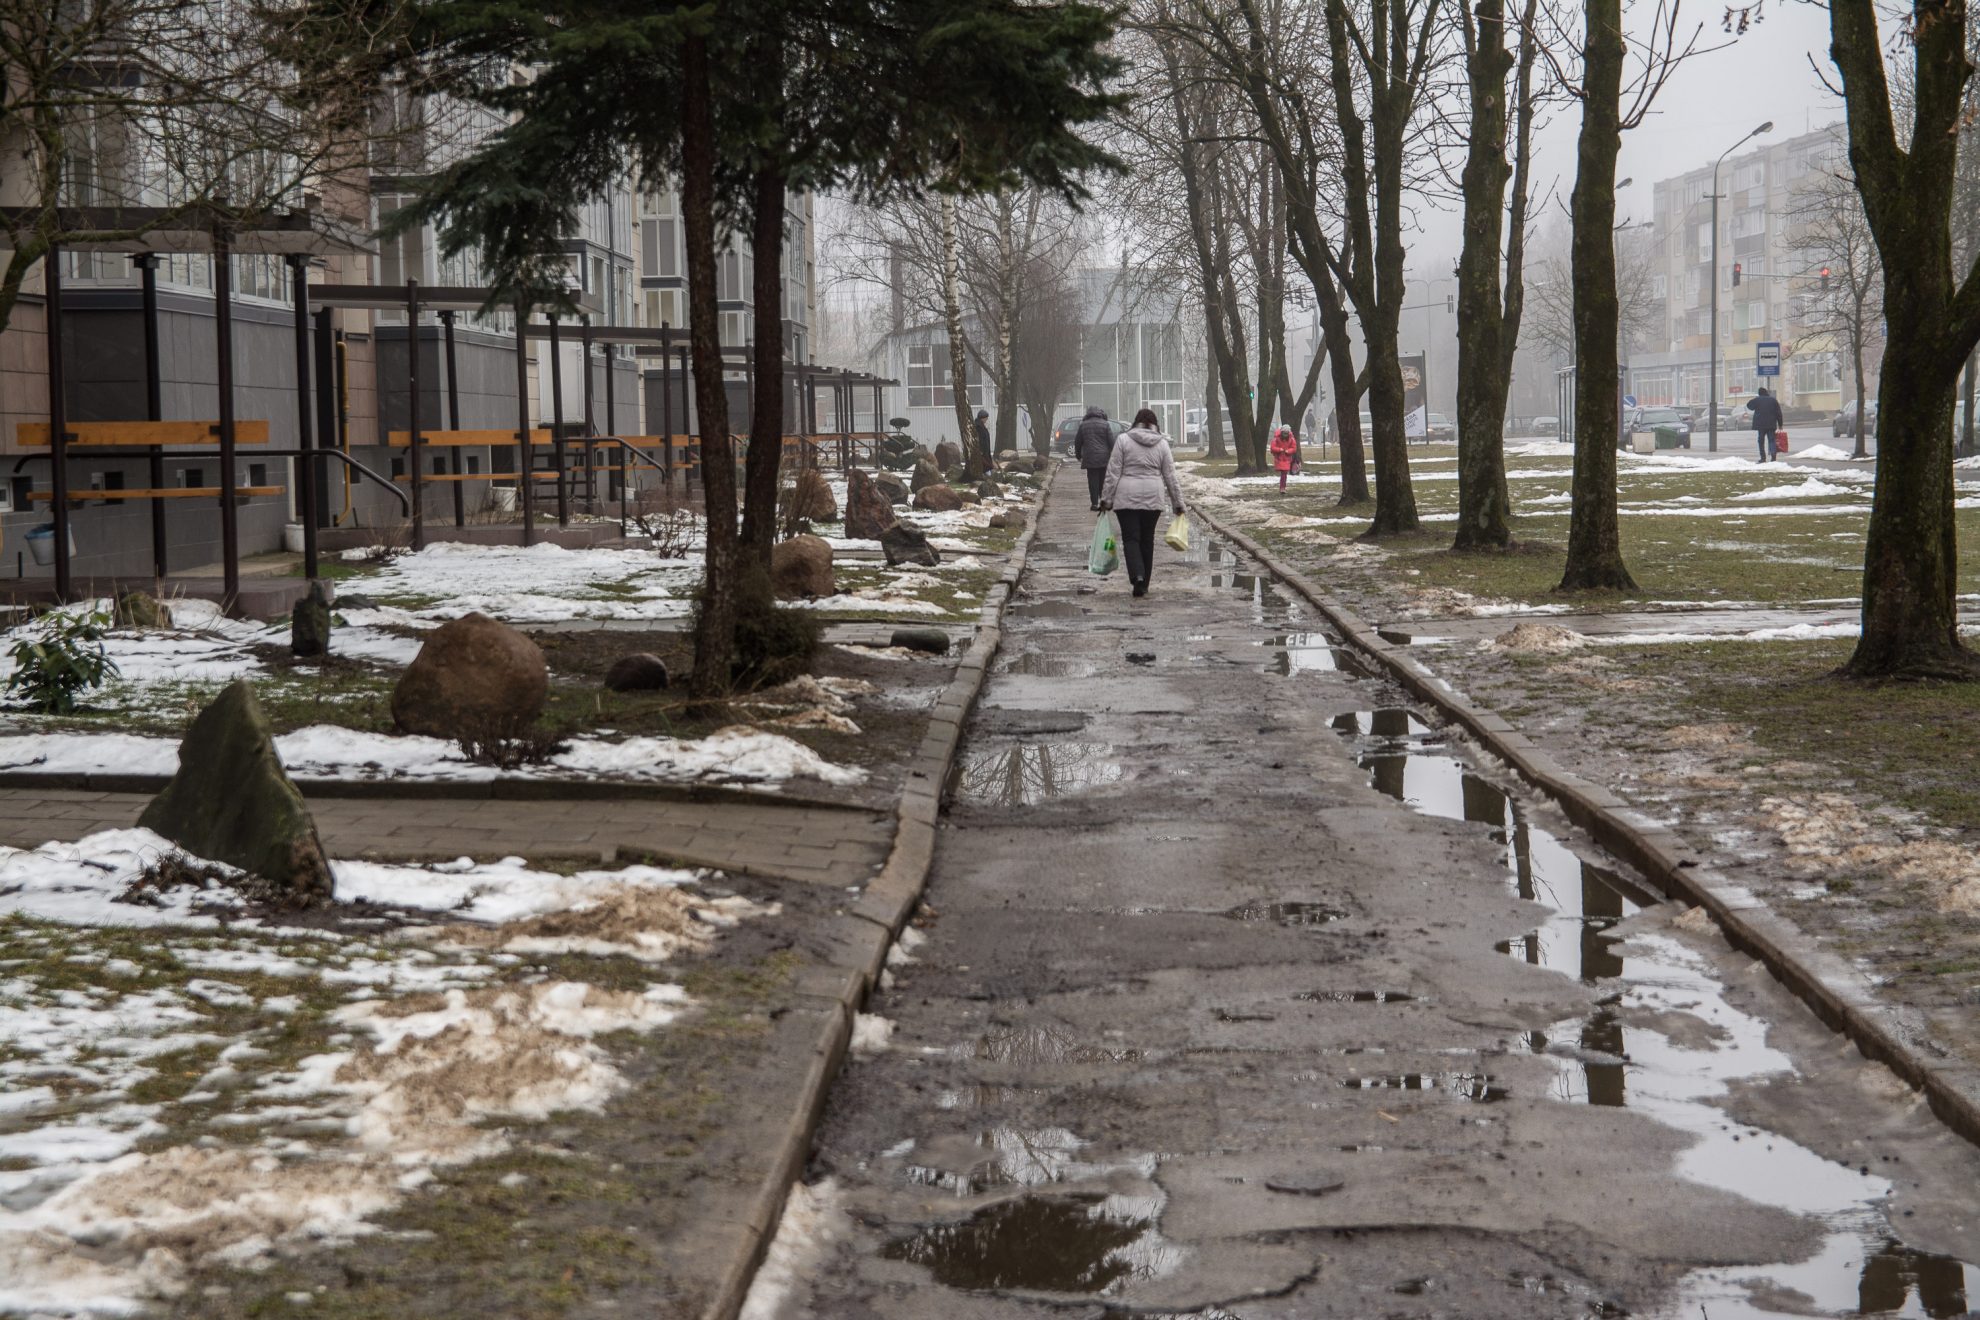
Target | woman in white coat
(1141,481)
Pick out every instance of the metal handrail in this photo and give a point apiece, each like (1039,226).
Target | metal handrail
(405,500)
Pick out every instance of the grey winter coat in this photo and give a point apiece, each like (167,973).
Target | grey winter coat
(1094,441)
(1141,473)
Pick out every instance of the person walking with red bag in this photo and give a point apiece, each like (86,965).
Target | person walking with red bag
(1285,454)
(1766,421)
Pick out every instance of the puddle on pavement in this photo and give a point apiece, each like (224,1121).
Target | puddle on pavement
(1084,1243)
(1019,774)
(1397,637)
(1287,914)
(1860,1270)
(1044,664)
(1355,997)
(1047,609)
(1042,1044)
(1313,653)
(1479,1088)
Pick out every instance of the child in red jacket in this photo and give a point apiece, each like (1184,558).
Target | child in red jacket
(1285,454)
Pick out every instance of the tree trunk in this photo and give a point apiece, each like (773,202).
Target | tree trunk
(953,322)
(1861,449)
(715,620)
(1969,428)
(1911,557)
(766,417)
(1347,390)
(1009,299)
(1213,411)
(1594,556)
(1482,379)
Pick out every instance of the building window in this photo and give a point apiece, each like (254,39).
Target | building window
(1815,374)
(928,378)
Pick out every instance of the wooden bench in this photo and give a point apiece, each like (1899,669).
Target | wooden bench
(406,478)
(154,493)
(140,435)
(483,439)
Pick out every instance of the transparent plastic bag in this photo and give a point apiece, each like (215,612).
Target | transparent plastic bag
(1105,555)
(1177,536)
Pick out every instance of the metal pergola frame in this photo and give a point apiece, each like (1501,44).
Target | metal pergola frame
(144,233)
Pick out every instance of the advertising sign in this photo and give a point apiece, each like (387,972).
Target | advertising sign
(1416,406)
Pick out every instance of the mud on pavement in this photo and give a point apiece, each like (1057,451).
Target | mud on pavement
(1240,990)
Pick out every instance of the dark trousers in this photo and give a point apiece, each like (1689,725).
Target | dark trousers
(1138,542)
(1095,479)
(1766,442)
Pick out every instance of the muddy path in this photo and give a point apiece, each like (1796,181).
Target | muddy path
(1243,991)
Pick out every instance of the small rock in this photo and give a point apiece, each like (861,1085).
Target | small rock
(938,499)
(969,497)
(232,802)
(998,522)
(1014,519)
(309,622)
(908,545)
(948,454)
(474,677)
(355,601)
(801,568)
(642,671)
(140,609)
(988,489)
(932,640)
(925,474)
(1006,455)
(892,487)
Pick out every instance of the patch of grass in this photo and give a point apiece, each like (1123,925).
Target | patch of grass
(1908,744)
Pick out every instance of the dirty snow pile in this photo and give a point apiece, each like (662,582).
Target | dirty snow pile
(1829,835)
(232,1092)
(1535,638)
(528,584)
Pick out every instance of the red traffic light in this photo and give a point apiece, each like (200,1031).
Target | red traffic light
(1735,274)
(1825,279)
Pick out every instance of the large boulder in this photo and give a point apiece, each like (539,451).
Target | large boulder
(140,609)
(925,474)
(642,671)
(938,499)
(892,487)
(309,622)
(903,544)
(801,569)
(474,678)
(948,454)
(232,802)
(868,511)
(811,498)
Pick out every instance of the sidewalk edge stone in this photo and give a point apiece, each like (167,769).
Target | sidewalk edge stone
(887,902)
(1816,975)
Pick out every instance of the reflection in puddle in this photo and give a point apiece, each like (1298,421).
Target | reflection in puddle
(1356,997)
(1042,1044)
(1023,773)
(1047,609)
(1072,1243)
(1042,664)
(1477,1087)
(1603,1061)
(1313,653)
(1286,914)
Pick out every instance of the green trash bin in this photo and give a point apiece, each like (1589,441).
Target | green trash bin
(1669,437)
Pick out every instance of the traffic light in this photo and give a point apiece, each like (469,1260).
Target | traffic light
(1735,274)
(1825,279)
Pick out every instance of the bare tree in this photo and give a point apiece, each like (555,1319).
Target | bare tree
(126,116)
(1831,235)
(1910,569)
(1550,293)
(1045,362)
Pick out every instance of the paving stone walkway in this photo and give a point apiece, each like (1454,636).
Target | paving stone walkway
(814,844)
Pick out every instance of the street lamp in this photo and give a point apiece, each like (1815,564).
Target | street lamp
(1712,382)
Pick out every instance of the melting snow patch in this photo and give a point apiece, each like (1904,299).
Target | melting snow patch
(1828,834)
(1811,487)
(811,1223)
(871,1033)
(1543,638)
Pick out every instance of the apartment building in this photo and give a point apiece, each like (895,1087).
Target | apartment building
(1762,196)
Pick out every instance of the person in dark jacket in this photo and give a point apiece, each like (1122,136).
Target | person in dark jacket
(982,429)
(1094,445)
(1766,420)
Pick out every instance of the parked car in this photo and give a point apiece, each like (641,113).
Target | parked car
(1067,432)
(1546,424)
(1441,427)
(1651,420)
(1196,426)
(1700,418)
(1844,422)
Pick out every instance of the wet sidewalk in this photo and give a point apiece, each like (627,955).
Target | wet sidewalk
(1242,991)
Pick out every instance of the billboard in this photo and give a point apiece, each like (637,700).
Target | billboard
(1416,398)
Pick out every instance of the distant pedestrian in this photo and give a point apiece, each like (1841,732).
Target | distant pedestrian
(1141,480)
(1766,420)
(982,429)
(1285,454)
(1094,445)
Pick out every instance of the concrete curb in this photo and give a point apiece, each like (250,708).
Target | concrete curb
(1837,993)
(883,908)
